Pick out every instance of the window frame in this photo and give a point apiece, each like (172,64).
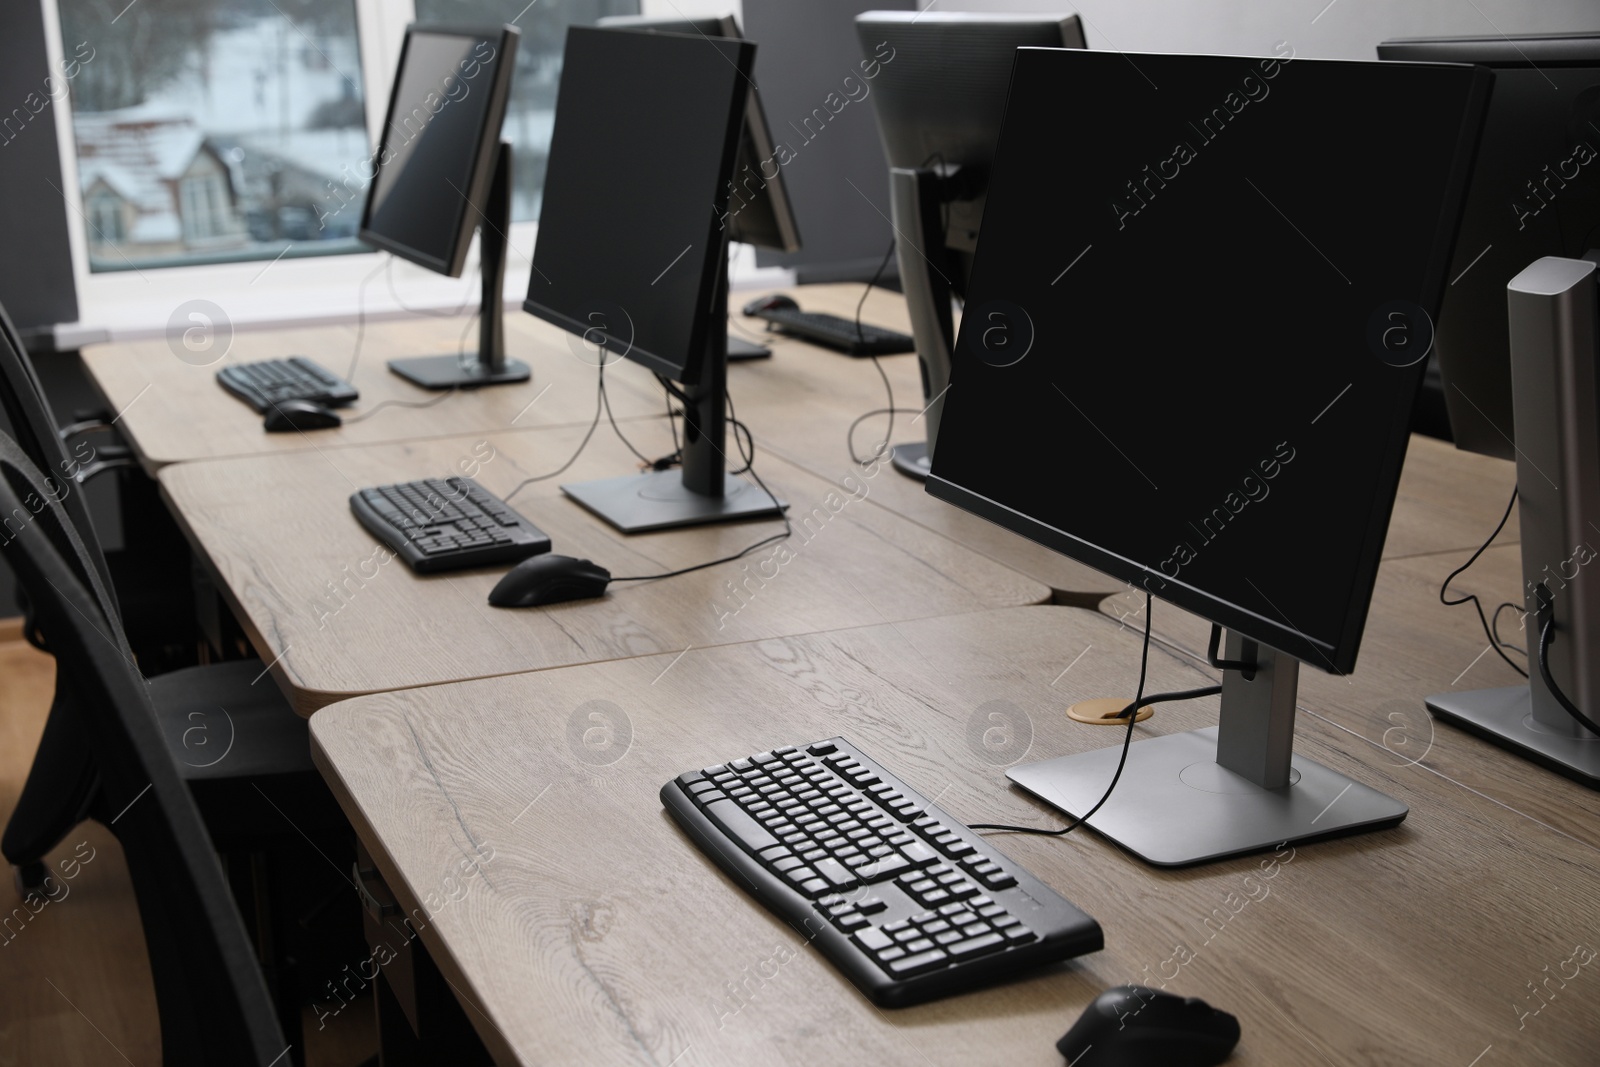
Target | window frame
(289,291)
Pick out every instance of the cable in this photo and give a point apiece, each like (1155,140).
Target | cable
(461,354)
(1131,714)
(883,446)
(1476,604)
(388,277)
(850,436)
(749,466)
(746,454)
(599,404)
(1494,625)
(361,318)
(1547,633)
(605,401)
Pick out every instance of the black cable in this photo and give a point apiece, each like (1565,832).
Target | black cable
(788,531)
(888,389)
(361,318)
(1476,604)
(605,401)
(1494,625)
(746,454)
(1131,714)
(599,403)
(1547,633)
(388,278)
(461,354)
(850,435)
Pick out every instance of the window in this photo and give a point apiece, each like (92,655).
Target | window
(209,130)
(105,216)
(221,130)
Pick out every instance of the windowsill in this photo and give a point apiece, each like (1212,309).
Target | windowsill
(319,293)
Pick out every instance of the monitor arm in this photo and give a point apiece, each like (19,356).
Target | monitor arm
(915,198)
(489,365)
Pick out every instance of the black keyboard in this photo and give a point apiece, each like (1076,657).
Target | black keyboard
(906,901)
(273,381)
(447,524)
(834,332)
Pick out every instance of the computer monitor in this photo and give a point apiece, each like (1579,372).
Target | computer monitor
(632,246)
(1520,389)
(939,105)
(1535,192)
(760,212)
(440,172)
(1197,310)
(817,90)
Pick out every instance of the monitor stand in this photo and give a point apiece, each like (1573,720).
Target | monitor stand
(739,348)
(702,491)
(1226,790)
(914,204)
(1555,328)
(489,365)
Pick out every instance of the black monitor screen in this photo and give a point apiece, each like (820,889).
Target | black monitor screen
(433,159)
(1197,321)
(1535,191)
(630,243)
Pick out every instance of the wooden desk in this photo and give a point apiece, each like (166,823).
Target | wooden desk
(1414,646)
(171,411)
(802,401)
(578,925)
(334,620)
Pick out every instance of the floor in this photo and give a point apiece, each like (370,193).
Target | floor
(74,982)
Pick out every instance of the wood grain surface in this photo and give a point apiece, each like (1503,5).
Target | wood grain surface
(171,410)
(333,619)
(518,820)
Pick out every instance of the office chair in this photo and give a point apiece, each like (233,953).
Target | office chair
(145,574)
(242,751)
(211,995)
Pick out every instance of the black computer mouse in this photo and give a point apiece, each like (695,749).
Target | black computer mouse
(772,302)
(1134,1026)
(289,415)
(549,579)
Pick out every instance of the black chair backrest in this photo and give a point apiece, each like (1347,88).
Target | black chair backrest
(212,998)
(36,430)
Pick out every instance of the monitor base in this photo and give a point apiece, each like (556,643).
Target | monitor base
(1505,717)
(658,500)
(453,372)
(1176,806)
(912,460)
(738,348)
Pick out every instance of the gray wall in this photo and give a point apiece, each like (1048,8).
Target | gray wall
(36,284)
(1346,29)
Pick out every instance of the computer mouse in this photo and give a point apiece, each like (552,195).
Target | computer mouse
(289,415)
(772,302)
(1134,1026)
(549,579)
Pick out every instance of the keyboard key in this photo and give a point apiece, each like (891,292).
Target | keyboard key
(873,939)
(837,873)
(922,961)
(919,854)
(976,946)
(886,867)
(740,826)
